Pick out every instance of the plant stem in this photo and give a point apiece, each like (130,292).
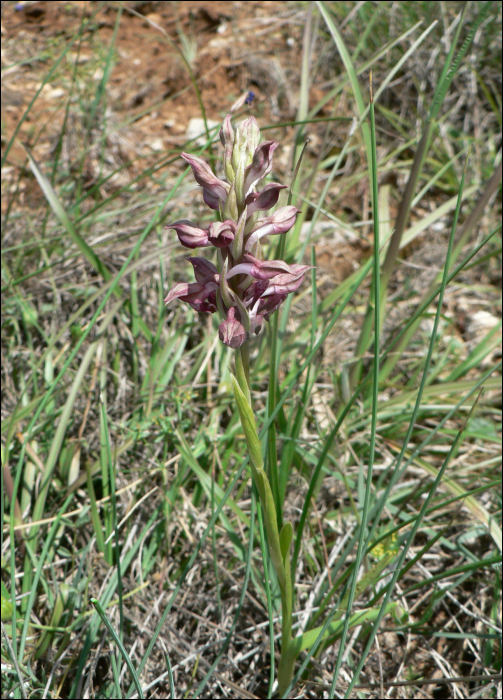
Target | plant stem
(243,369)
(279,542)
(288,652)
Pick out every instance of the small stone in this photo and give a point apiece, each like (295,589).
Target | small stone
(154,17)
(156,145)
(197,131)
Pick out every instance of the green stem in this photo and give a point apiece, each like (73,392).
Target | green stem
(279,541)
(288,652)
(243,370)
(271,438)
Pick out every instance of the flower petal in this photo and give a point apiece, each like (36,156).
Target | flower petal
(262,201)
(214,189)
(203,269)
(221,233)
(261,164)
(201,297)
(190,235)
(287,282)
(280,221)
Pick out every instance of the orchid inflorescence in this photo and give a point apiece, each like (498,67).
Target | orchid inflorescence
(244,288)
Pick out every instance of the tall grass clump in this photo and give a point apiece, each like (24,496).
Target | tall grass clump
(288,485)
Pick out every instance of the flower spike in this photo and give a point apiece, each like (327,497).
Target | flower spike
(242,288)
(245,291)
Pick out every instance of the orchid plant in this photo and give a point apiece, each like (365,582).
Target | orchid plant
(245,290)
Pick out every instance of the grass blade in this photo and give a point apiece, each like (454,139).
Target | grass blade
(119,644)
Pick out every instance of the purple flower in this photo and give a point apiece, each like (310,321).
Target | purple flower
(201,296)
(190,235)
(221,233)
(270,304)
(231,332)
(263,306)
(287,282)
(272,286)
(261,164)
(243,288)
(280,222)
(203,269)
(264,200)
(260,269)
(214,190)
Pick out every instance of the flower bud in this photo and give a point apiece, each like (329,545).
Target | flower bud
(237,245)
(246,141)
(227,139)
(231,332)
(231,205)
(245,145)
(261,164)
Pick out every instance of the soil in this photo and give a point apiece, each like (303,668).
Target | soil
(232,48)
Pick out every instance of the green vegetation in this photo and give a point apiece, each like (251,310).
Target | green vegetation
(135,555)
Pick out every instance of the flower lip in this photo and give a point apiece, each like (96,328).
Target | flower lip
(221,233)
(280,221)
(256,319)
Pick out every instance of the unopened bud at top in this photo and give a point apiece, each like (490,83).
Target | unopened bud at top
(227,139)
(246,140)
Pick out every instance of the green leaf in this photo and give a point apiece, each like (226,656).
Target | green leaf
(122,649)
(285,539)
(306,640)
(249,426)
(6,609)
(57,208)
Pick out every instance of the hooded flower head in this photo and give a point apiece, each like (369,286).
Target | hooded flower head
(246,290)
(189,234)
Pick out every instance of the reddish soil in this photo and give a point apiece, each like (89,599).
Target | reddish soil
(232,47)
